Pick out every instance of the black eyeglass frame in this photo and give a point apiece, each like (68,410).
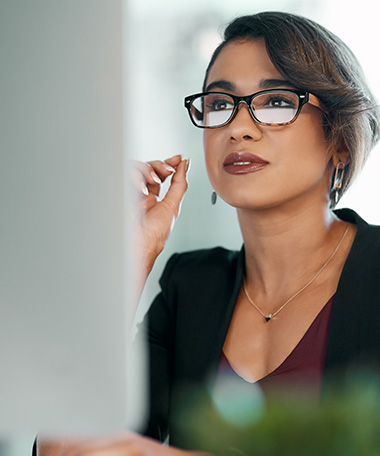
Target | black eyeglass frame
(303,98)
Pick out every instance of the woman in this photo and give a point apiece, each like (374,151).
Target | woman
(288,123)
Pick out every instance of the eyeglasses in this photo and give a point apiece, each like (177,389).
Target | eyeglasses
(268,107)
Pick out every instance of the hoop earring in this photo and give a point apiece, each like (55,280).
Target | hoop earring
(338,179)
(214,197)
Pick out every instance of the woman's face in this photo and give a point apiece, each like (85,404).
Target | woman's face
(291,163)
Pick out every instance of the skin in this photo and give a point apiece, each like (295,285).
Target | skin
(125,444)
(287,228)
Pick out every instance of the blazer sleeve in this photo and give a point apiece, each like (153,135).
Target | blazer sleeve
(157,329)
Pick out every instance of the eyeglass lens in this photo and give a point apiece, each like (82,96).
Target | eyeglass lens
(271,108)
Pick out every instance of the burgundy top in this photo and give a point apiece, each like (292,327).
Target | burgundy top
(301,372)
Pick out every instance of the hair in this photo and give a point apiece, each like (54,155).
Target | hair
(315,60)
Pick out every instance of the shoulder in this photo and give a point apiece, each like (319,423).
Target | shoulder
(351,216)
(199,269)
(361,273)
(217,258)
(367,238)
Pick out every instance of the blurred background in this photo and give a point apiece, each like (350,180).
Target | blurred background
(86,85)
(169,46)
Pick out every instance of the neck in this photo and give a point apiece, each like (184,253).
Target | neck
(284,249)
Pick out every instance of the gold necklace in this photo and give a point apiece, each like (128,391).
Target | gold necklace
(270,316)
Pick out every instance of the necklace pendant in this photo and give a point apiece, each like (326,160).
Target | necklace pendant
(268,317)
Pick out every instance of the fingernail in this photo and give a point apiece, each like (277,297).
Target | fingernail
(144,189)
(168,167)
(155,177)
(188,165)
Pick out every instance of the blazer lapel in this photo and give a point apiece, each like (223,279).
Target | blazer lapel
(355,308)
(207,327)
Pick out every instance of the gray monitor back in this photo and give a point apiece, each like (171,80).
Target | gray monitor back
(64,319)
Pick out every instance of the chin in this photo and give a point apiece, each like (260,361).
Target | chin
(246,201)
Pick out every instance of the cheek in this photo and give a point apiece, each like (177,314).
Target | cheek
(303,151)
(317,151)
(299,158)
(301,161)
(211,145)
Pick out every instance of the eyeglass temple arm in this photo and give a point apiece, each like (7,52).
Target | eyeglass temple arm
(314,101)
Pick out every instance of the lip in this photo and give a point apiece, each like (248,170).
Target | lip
(243,163)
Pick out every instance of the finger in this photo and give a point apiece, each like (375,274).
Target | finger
(147,177)
(174,161)
(178,187)
(163,169)
(140,184)
(166,167)
(150,176)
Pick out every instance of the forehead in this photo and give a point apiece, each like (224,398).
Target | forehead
(243,63)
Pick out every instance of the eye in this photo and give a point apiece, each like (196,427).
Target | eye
(279,101)
(218,103)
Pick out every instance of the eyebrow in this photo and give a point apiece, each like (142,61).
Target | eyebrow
(271,83)
(222,84)
(263,84)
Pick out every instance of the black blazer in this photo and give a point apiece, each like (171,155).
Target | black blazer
(188,321)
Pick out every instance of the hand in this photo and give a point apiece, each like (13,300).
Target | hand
(126,444)
(155,218)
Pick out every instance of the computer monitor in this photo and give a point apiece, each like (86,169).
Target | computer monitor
(64,292)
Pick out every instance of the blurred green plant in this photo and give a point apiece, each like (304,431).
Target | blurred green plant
(345,423)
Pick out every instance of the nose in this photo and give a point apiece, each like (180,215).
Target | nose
(243,126)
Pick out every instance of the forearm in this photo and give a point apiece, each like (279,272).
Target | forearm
(126,444)
(145,261)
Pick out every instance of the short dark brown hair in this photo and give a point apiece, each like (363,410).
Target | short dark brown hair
(314,59)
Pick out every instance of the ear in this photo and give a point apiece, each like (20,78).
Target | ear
(341,154)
